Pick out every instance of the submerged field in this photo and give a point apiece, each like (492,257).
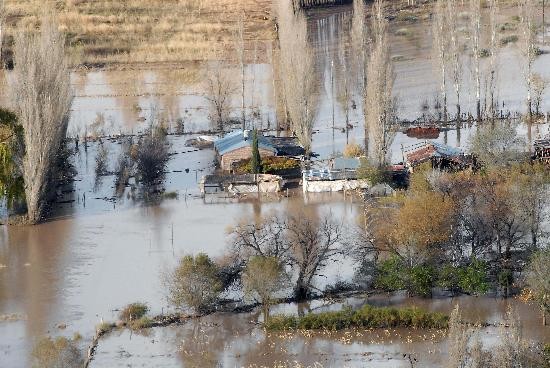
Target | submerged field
(102,250)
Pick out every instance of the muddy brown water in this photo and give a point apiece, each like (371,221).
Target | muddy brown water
(101,251)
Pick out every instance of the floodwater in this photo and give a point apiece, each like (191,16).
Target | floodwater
(101,251)
(236,340)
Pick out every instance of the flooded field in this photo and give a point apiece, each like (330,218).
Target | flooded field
(102,250)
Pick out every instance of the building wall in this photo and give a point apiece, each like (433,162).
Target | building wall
(241,154)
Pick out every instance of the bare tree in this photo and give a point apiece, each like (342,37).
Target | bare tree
(539,84)
(528,47)
(380,116)
(297,72)
(42,97)
(344,92)
(239,49)
(441,49)
(263,237)
(455,48)
(494,48)
(219,90)
(360,47)
(538,281)
(2,20)
(475,37)
(313,245)
(459,336)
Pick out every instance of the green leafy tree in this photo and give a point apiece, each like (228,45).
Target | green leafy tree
(473,278)
(262,278)
(421,279)
(195,283)
(390,275)
(256,161)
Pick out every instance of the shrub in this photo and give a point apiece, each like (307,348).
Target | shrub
(376,175)
(141,323)
(194,283)
(353,150)
(473,278)
(390,275)
(422,279)
(54,353)
(508,39)
(133,312)
(269,165)
(105,327)
(152,155)
(365,317)
(449,277)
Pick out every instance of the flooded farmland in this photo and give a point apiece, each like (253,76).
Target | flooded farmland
(102,250)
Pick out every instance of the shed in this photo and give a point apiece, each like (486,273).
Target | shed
(346,163)
(440,155)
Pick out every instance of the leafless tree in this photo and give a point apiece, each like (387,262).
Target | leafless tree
(475,37)
(494,49)
(152,156)
(42,96)
(297,72)
(539,84)
(455,48)
(313,245)
(219,90)
(240,53)
(459,336)
(360,47)
(260,237)
(2,20)
(380,116)
(441,49)
(344,90)
(528,47)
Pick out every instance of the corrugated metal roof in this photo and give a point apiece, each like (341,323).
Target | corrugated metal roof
(235,140)
(432,149)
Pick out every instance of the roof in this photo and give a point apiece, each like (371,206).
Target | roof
(236,140)
(429,150)
(343,163)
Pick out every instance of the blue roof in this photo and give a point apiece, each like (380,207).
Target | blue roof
(448,151)
(343,163)
(235,140)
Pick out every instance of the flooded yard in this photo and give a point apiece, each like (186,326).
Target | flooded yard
(102,250)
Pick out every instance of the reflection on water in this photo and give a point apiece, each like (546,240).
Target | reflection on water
(230,340)
(98,254)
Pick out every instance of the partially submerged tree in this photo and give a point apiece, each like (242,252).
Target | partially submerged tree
(42,96)
(497,147)
(219,91)
(314,244)
(455,51)
(240,53)
(262,278)
(380,116)
(528,47)
(11,153)
(475,38)
(441,49)
(152,156)
(194,283)
(297,72)
(2,20)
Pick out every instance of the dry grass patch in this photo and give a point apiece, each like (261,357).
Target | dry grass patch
(138,31)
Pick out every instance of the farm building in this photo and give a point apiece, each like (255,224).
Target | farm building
(440,155)
(237,146)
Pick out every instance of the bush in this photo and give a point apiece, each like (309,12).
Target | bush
(390,275)
(152,155)
(473,278)
(133,312)
(353,150)
(194,283)
(365,317)
(141,323)
(421,279)
(54,353)
(269,165)
(449,277)
(509,39)
(375,175)
(105,327)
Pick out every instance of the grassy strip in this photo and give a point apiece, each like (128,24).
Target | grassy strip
(366,317)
